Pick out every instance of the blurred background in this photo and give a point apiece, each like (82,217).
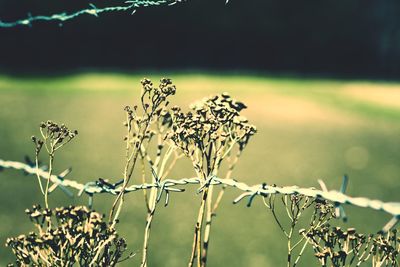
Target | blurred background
(320,80)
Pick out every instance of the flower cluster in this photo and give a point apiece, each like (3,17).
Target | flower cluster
(154,102)
(347,247)
(67,236)
(324,209)
(387,247)
(153,97)
(54,136)
(210,130)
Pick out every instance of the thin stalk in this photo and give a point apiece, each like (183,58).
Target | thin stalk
(128,174)
(149,219)
(207,231)
(46,192)
(152,206)
(37,172)
(300,253)
(210,209)
(196,247)
(289,245)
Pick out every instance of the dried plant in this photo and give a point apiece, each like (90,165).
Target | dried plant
(295,206)
(68,236)
(211,134)
(207,135)
(140,132)
(332,245)
(161,163)
(53,137)
(138,124)
(338,247)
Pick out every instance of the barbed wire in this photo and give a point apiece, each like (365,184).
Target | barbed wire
(249,192)
(91,10)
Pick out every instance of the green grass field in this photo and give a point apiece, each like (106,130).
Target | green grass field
(308,129)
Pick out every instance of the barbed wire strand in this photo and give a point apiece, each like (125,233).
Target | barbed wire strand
(92,10)
(249,192)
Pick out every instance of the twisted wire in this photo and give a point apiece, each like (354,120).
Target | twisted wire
(170,185)
(91,10)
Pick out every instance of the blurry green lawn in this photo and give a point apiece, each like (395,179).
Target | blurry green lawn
(308,130)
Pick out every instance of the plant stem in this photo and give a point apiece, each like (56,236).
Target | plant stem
(212,209)
(300,253)
(289,245)
(197,231)
(152,201)
(207,231)
(149,220)
(46,192)
(37,172)
(128,175)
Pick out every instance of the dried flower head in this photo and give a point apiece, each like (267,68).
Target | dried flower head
(54,136)
(67,236)
(209,132)
(348,248)
(154,101)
